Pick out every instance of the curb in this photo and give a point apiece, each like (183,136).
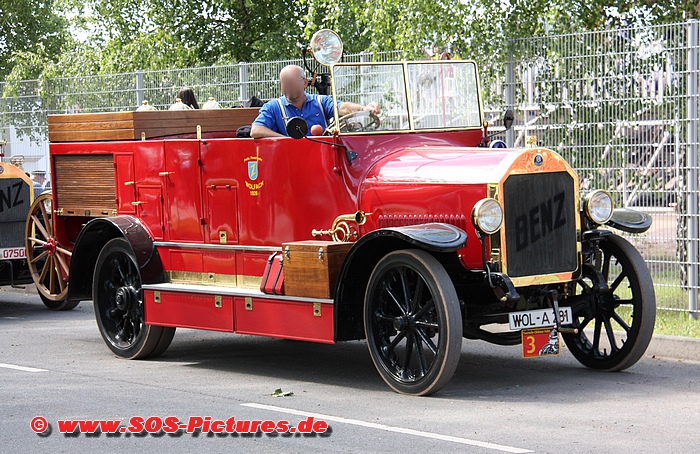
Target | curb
(674,347)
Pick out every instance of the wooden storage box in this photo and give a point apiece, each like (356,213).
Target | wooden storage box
(89,127)
(311,267)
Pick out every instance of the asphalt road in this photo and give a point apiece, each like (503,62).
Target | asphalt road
(496,402)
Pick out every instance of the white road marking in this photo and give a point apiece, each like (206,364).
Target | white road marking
(372,425)
(23,368)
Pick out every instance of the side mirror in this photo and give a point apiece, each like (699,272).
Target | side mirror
(297,128)
(508,118)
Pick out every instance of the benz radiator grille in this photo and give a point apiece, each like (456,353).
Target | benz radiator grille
(540,224)
(14,206)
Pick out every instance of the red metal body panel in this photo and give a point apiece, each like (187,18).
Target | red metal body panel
(433,183)
(253,195)
(190,310)
(285,319)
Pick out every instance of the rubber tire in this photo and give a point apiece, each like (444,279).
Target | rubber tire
(642,330)
(449,320)
(152,340)
(63,305)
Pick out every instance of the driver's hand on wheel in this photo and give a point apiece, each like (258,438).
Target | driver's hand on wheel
(373,107)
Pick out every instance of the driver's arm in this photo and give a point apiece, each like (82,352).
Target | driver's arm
(260,131)
(269,122)
(350,107)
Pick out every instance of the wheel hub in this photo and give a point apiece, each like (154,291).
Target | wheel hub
(402,323)
(125,297)
(50,246)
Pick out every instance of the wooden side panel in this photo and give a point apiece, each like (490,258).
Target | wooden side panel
(85,185)
(311,267)
(90,127)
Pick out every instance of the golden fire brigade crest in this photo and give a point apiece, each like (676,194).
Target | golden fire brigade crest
(253,183)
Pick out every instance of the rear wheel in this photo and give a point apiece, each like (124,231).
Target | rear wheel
(615,325)
(413,322)
(118,299)
(48,261)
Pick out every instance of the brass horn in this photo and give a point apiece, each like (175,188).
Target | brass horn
(340,231)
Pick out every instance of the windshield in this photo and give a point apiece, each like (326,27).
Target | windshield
(412,96)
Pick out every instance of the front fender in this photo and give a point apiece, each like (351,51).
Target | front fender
(92,239)
(630,221)
(436,237)
(367,251)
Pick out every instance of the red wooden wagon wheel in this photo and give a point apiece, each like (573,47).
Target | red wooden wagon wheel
(48,261)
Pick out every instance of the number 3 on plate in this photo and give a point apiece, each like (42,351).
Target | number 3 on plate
(531,346)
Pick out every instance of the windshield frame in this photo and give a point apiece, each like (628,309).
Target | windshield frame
(408,96)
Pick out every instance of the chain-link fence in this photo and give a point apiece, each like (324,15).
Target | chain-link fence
(622,106)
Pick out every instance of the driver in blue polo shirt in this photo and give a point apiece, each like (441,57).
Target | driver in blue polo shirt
(296,102)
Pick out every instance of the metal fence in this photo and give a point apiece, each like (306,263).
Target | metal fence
(622,106)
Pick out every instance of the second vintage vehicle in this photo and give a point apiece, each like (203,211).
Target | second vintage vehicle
(404,228)
(16,197)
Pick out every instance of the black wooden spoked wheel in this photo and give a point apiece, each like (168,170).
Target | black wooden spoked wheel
(413,322)
(615,325)
(48,261)
(118,299)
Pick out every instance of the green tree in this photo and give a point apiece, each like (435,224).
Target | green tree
(29,27)
(157,34)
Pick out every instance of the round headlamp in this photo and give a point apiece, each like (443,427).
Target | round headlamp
(487,216)
(326,47)
(598,206)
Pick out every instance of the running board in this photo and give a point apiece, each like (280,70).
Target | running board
(243,311)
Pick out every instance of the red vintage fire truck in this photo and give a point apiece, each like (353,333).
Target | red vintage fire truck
(404,228)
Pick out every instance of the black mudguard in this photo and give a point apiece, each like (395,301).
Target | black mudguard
(441,239)
(435,237)
(92,239)
(631,221)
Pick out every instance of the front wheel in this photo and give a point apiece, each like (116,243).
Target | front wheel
(118,299)
(616,323)
(413,322)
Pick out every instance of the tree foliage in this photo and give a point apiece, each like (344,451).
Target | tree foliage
(29,27)
(108,36)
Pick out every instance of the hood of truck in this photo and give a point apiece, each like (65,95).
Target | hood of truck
(428,184)
(460,165)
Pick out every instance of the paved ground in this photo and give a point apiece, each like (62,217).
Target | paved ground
(496,402)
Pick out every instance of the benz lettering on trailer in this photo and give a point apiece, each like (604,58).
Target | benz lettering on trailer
(397,224)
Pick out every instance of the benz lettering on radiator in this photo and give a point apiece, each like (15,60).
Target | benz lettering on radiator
(12,197)
(539,221)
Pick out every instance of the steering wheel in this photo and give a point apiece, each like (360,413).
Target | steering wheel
(346,123)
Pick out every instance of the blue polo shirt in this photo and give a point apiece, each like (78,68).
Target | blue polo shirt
(270,114)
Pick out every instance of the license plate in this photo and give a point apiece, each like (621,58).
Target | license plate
(538,318)
(12,253)
(540,342)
